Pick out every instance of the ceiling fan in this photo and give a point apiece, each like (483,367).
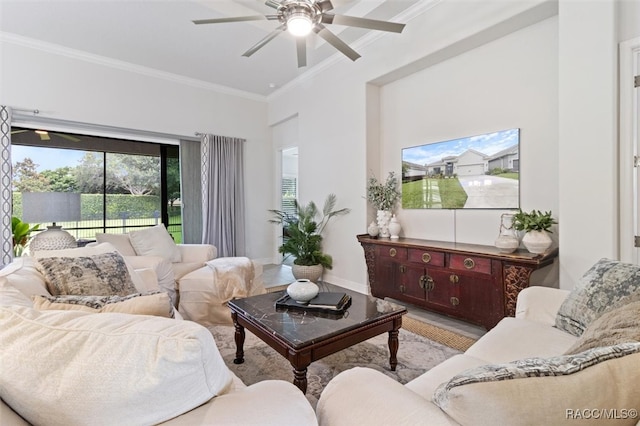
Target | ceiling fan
(46,135)
(300,17)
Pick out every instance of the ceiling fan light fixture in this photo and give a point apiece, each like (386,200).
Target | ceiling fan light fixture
(299,24)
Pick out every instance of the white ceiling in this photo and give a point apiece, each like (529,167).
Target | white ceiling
(159,35)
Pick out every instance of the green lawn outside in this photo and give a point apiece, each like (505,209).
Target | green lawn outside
(449,194)
(510,175)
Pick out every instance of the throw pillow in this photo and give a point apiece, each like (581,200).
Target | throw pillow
(155,241)
(74,368)
(121,242)
(91,250)
(619,325)
(100,275)
(153,303)
(544,391)
(606,285)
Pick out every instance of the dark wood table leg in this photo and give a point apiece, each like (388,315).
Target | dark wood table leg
(394,343)
(239,338)
(300,378)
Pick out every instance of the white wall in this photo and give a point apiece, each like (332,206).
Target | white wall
(498,86)
(69,88)
(588,184)
(341,142)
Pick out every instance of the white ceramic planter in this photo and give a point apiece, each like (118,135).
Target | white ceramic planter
(537,241)
(311,273)
(302,290)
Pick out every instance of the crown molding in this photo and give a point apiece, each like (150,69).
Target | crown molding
(406,16)
(56,49)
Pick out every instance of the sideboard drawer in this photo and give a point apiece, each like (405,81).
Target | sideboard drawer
(470,263)
(432,258)
(397,253)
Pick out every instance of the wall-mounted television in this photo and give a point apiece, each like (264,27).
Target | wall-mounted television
(475,172)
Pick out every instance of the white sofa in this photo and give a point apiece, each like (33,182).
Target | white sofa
(516,374)
(200,284)
(71,367)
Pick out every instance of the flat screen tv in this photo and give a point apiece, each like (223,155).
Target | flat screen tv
(475,172)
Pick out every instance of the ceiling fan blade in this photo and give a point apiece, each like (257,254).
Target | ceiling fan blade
(15,132)
(324,5)
(272,3)
(230,19)
(301,47)
(371,24)
(67,137)
(273,34)
(333,40)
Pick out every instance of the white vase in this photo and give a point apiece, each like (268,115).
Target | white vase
(373,230)
(383,217)
(537,241)
(394,228)
(302,290)
(507,241)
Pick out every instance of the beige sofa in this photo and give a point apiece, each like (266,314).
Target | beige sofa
(78,367)
(199,283)
(517,374)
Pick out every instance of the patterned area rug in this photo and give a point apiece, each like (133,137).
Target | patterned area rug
(416,355)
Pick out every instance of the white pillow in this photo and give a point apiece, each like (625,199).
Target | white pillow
(101,248)
(155,241)
(121,242)
(11,296)
(73,368)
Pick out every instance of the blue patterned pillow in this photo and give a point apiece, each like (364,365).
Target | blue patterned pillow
(609,284)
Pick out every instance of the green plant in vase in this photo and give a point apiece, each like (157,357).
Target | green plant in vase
(537,226)
(303,236)
(384,197)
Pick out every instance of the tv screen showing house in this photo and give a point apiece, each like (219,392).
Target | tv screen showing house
(475,172)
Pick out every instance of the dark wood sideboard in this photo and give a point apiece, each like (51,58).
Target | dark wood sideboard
(472,282)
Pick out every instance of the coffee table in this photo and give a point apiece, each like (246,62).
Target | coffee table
(303,337)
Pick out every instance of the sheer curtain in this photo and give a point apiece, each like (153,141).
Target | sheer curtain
(223,194)
(6,205)
(191,191)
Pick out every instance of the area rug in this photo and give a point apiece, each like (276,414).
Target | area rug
(416,355)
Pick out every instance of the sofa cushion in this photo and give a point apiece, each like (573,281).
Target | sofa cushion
(74,368)
(513,338)
(100,275)
(121,242)
(156,303)
(619,325)
(606,285)
(155,241)
(11,296)
(91,250)
(545,391)
(23,274)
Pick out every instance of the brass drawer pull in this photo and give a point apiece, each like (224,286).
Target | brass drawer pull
(469,263)
(454,301)
(426,257)
(392,252)
(454,279)
(427,282)
(403,269)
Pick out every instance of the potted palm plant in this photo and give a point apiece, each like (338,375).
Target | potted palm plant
(303,236)
(537,227)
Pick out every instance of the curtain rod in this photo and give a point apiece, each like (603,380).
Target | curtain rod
(200,134)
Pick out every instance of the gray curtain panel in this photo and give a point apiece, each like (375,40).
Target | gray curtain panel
(6,196)
(223,194)
(191,192)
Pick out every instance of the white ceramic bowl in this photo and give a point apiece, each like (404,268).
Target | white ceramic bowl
(302,290)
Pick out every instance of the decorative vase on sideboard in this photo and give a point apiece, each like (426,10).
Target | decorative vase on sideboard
(383,217)
(394,228)
(507,241)
(537,241)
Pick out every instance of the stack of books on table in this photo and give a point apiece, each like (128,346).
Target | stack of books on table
(324,302)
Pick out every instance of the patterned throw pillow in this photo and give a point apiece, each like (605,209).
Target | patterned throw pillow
(98,275)
(156,303)
(534,367)
(607,285)
(619,325)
